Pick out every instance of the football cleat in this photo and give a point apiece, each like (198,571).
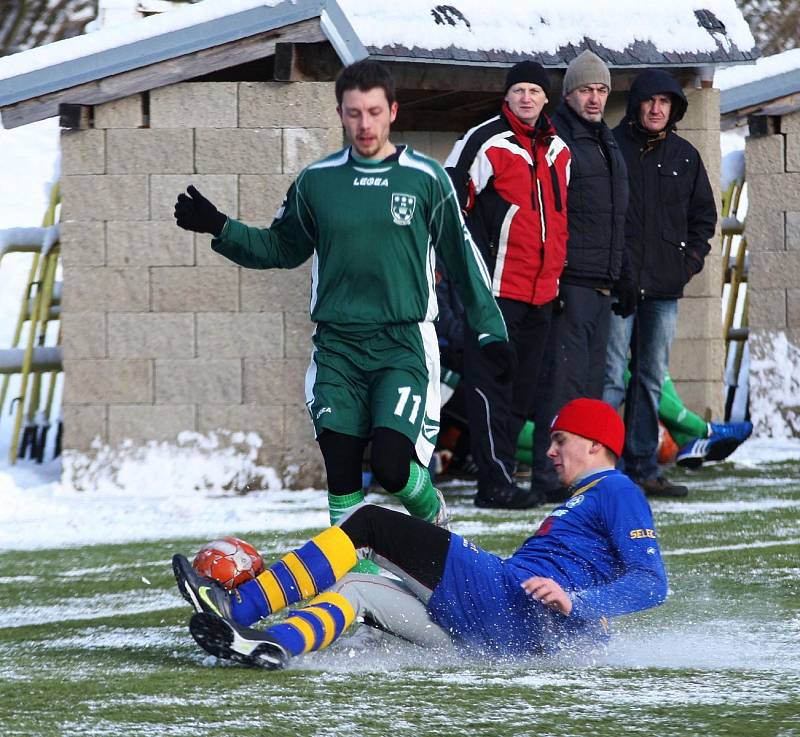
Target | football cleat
(442,518)
(230,641)
(692,454)
(723,440)
(204,594)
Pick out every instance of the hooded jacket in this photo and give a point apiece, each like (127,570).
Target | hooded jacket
(511,181)
(671,214)
(596,202)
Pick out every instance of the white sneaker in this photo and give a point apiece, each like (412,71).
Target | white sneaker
(442,518)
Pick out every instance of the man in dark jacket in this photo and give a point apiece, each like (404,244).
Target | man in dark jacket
(596,201)
(671,217)
(510,174)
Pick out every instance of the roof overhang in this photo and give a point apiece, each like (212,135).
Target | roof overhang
(174,56)
(760,93)
(156,58)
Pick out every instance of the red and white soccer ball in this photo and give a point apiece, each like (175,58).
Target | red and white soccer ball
(229,560)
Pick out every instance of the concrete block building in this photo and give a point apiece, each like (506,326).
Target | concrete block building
(162,335)
(770,108)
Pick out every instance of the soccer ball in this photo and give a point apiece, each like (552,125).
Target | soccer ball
(667,447)
(229,560)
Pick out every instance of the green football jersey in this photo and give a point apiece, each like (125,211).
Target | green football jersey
(374,229)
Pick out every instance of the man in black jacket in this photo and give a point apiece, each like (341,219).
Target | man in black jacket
(671,217)
(574,364)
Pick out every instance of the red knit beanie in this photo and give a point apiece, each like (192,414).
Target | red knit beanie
(593,419)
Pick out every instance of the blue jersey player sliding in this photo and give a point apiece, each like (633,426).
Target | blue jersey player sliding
(595,556)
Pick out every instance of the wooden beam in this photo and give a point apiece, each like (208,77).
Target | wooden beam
(471,78)
(440,120)
(77,117)
(161,74)
(763,125)
(441,77)
(306,62)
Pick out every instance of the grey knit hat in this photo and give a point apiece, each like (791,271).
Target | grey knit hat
(586,68)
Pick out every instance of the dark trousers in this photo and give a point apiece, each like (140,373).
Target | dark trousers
(574,366)
(416,547)
(497,410)
(390,458)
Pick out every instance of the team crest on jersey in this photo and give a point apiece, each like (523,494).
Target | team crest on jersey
(403,208)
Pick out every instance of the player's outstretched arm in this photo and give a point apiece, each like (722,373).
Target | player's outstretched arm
(287,243)
(195,212)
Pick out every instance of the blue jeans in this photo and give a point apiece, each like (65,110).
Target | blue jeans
(648,333)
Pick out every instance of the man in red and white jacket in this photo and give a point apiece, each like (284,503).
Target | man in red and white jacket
(511,175)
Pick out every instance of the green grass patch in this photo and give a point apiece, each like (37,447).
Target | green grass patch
(93,642)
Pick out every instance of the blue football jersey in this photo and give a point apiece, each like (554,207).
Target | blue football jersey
(600,545)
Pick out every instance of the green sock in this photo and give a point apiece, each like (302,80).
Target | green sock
(418,495)
(340,505)
(525,443)
(682,424)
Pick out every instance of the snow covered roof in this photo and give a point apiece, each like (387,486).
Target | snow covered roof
(626,33)
(769,82)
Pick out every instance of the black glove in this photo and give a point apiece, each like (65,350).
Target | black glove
(504,357)
(627,294)
(195,212)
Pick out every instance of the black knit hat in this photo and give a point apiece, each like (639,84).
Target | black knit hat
(528,71)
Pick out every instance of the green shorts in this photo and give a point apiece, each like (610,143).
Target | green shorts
(383,377)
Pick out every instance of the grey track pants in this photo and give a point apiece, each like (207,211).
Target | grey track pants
(394,607)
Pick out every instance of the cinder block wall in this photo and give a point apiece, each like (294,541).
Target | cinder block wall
(773,238)
(160,333)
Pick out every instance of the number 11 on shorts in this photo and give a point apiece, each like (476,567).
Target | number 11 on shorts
(416,400)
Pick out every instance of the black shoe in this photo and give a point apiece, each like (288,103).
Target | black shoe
(204,594)
(508,497)
(231,641)
(661,487)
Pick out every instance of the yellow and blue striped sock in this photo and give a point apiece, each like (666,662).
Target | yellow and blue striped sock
(304,572)
(316,625)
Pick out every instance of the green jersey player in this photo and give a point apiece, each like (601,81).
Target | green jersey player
(373,217)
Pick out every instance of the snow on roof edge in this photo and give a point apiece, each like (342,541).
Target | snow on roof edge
(139,43)
(351,23)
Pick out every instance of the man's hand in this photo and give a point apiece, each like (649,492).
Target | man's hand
(195,212)
(627,294)
(549,593)
(504,357)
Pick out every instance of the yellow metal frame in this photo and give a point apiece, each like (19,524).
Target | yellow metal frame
(734,275)
(38,309)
